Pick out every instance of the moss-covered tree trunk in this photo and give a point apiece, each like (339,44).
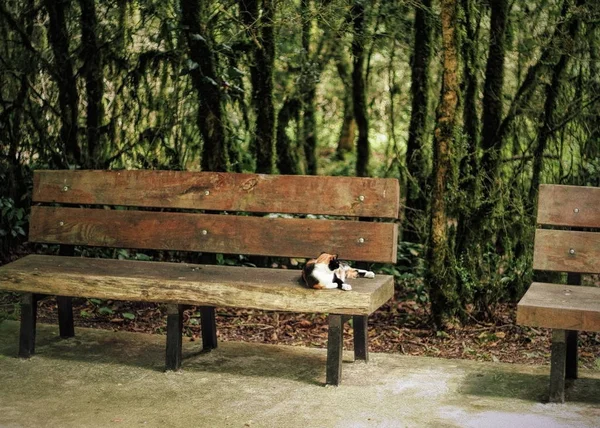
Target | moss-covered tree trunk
(469,163)
(68,97)
(211,115)
(348,128)
(549,123)
(258,20)
(287,156)
(93,75)
(359,97)
(309,93)
(440,274)
(416,163)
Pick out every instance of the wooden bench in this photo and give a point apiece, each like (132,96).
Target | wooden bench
(210,213)
(565,308)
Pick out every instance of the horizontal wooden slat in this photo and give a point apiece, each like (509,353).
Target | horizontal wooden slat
(567,251)
(285,237)
(267,289)
(575,206)
(346,196)
(560,306)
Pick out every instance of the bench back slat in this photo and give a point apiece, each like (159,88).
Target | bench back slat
(567,251)
(233,234)
(574,206)
(344,196)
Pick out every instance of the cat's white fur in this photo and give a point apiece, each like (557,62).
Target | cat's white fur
(322,273)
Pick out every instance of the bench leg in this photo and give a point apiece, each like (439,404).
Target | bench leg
(65,316)
(174,336)
(572,357)
(209,327)
(28,322)
(558,366)
(334,350)
(361,338)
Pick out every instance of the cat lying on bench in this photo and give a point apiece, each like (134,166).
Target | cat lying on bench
(326,271)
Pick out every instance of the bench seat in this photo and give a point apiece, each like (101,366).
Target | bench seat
(191,284)
(565,307)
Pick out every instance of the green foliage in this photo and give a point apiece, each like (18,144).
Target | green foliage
(13,219)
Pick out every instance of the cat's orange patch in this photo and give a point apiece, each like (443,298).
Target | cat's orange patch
(325,258)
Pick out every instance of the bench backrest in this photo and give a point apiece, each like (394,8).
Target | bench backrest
(573,250)
(218,213)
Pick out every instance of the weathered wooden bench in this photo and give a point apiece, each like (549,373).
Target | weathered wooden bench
(565,308)
(210,213)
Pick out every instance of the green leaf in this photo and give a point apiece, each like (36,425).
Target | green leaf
(143,257)
(105,311)
(85,314)
(128,315)
(96,301)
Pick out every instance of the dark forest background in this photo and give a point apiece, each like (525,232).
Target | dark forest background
(470,104)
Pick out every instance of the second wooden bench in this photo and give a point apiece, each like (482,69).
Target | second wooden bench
(567,241)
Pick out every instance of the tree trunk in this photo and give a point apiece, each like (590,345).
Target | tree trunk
(359,89)
(68,97)
(287,157)
(491,142)
(211,115)
(309,91)
(416,163)
(552,92)
(469,163)
(259,28)
(348,129)
(93,74)
(440,274)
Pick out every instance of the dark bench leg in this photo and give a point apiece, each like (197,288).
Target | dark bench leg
(65,304)
(572,357)
(558,366)
(209,328)
(28,321)
(174,336)
(65,316)
(361,339)
(334,350)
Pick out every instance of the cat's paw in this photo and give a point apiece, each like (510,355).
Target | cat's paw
(346,287)
(370,275)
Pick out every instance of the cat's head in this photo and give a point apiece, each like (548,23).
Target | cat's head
(331,260)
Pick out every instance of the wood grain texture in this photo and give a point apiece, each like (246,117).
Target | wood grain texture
(179,283)
(575,206)
(567,251)
(566,307)
(285,237)
(346,196)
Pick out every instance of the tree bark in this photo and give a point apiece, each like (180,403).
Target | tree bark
(359,89)
(491,141)
(93,75)
(259,28)
(287,159)
(348,129)
(68,97)
(416,163)
(440,274)
(309,92)
(211,115)
(548,125)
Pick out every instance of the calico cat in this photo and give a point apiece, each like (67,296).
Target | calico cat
(326,271)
